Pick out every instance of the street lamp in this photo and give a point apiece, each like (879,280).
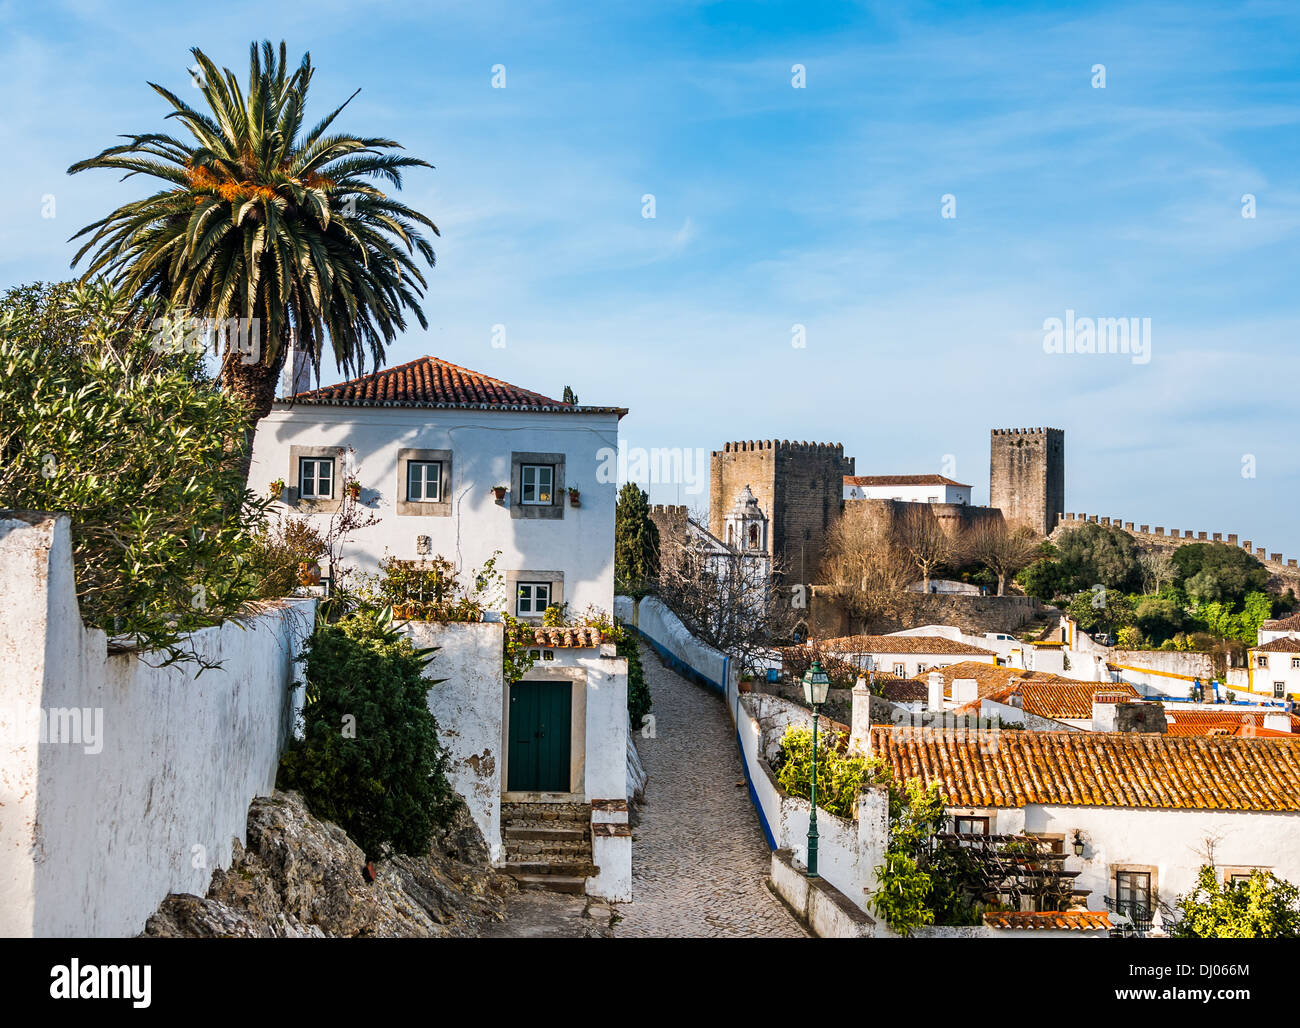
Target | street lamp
(816,684)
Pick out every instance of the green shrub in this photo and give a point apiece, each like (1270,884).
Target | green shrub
(278,550)
(839,776)
(369,759)
(1261,907)
(140,450)
(638,691)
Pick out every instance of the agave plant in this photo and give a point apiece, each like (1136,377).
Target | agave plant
(259,220)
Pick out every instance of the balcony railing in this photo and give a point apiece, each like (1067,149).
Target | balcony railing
(1139,916)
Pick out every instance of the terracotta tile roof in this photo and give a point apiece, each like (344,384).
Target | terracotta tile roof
(1287,644)
(579,637)
(900,644)
(902,480)
(1204,722)
(1071,920)
(1063,698)
(1286,624)
(434,382)
(989,678)
(1096,769)
(903,690)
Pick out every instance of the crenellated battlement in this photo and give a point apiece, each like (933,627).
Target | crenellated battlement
(1160,534)
(781,446)
(669,509)
(1025,431)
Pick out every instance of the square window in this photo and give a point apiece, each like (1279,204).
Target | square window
(1295,661)
(316,478)
(967,825)
(1261,661)
(424,481)
(532,599)
(537,482)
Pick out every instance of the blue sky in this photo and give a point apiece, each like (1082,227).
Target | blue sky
(778,206)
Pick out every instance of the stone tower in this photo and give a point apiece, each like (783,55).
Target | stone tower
(799,486)
(746,524)
(1027,476)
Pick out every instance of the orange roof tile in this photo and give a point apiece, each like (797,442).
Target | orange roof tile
(1203,722)
(901,644)
(580,637)
(1063,698)
(1287,644)
(1070,920)
(434,382)
(1096,769)
(1286,624)
(902,480)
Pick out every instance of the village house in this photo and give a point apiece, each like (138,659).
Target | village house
(1134,815)
(904,656)
(427,443)
(1273,665)
(906,488)
(467,467)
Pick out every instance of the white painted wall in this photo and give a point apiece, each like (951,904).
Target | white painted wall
(913,663)
(91,843)
(660,624)
(909,493)
(581,543)
(1279,669)
(468,707)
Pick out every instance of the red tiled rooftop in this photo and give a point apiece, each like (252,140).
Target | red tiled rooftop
(883,480)
(434,382)
(1070,920)
(900,644)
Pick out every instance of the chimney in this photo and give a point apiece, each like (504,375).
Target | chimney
(1124,714)
(860,730)
(964,690)
(296,374)
(934,699)
(1279,721)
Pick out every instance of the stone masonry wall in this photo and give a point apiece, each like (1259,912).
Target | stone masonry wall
(1027,475)
(799,485)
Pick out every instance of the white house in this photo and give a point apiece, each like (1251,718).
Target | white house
(908,488)
(1278,628)
(1146,810)
(1273,667)
(428,441)
(541,762)
(905,656)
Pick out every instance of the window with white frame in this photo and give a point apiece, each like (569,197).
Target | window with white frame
(424,481)
(532,599)
(537,484)
(1295,661)
(900,670)
(1279,690)
(315,478)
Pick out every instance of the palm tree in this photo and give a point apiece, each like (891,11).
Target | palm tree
(258,220)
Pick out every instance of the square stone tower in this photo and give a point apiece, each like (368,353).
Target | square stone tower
(799,486)
(1027,476)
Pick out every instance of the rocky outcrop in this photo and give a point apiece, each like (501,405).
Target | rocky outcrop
(298,877)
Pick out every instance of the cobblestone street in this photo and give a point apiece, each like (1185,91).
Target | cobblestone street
(699,857)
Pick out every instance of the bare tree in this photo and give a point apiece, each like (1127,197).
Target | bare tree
(919,536)
(1158,569)
(862,570)
(1002,548)
(730,601)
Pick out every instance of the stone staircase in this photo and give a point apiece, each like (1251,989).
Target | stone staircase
(548,845)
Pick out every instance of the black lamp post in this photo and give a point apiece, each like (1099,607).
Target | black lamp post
(816,684)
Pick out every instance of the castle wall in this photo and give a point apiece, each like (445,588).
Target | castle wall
(1027,475)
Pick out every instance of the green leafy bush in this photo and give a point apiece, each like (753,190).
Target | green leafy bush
(1261,907)
(638,691)
(840,777)
(142,452)
(278,551)
(370,759)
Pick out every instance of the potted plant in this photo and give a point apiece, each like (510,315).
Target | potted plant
(746,682)
(308,573)
(499,491)
(277,488)
(574,497)
(354,489)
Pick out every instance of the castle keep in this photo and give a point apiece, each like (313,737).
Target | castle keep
(798,485)
(1027,476)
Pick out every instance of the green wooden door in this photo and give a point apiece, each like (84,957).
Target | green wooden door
(539,737)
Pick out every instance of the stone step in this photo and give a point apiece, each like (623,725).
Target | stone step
(547,832)
(580,812)
(571,868)
(571,884)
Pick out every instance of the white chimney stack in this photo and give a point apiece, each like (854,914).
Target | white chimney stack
(296,375)
(934,698)
(1279,721)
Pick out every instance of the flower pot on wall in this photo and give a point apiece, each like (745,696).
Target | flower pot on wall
(354,490)
(309,573)
(499,491)
(575,499)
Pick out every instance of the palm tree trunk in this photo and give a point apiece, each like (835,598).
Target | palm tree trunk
(255,385)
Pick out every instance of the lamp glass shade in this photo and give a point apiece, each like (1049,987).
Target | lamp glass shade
(1078,845)
(816,684)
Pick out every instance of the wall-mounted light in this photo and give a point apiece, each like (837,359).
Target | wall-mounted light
(1078,844)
